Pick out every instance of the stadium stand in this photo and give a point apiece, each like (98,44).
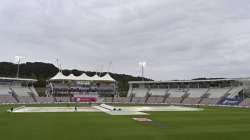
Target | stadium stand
(124,100)
(120,100)
(33,96)
(195,95)
(108,99)
(13,94)
(140,92)
(207,92)
(215,95)
(45,99)
(4,99)
(116,99)
(234,92)
(157,91)
(25,99)
(245,102)
(21,91)
(155,99)
(62,99)
(33,90)
(175,96)
(4,89)
(138,100)
(210,101)
(217,92)
(197,92)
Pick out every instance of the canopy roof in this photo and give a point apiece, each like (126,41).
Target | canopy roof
(107,77)
(83,77)
(58,76)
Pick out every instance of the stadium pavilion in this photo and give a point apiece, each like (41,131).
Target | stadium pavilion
(81,86)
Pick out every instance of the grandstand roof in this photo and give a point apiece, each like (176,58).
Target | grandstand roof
(58,76)
(17,79)
(107,77)
(83,77)
(96,78)
(190,81)
(70,77)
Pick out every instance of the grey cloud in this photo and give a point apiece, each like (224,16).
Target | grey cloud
(179,39)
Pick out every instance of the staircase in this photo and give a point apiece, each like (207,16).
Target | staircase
(205,95)
(147,97)
(131,97)
(14,95)
(32,95)
(184,97)
(165,96)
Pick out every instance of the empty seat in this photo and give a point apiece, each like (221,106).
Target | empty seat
(7,99)
(173,100)
(196,92)
(45,99)
(140,92)
(125,100)
(33,90)
(21,91)
(62,99)
(210,101)
(155,99)
(122,100)
(245,102)
(218,92)
(176,92)
(108,99)
(157,92)
(4,89)
(25,99)
(191,100)
(139,100)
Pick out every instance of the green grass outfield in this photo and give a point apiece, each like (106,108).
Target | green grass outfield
(210,124)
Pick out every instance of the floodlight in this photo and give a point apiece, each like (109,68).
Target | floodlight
(19,58)
(18,61)
(142,64)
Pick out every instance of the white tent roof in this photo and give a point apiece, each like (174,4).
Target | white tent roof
(70,77)
(83,77)
(96,78)
(58,76)
(107,77)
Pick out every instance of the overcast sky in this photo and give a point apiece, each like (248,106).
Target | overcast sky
(179,39)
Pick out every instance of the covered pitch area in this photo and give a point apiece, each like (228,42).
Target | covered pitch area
(111,110)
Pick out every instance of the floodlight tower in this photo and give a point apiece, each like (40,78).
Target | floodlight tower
(142,65)
(18,61)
